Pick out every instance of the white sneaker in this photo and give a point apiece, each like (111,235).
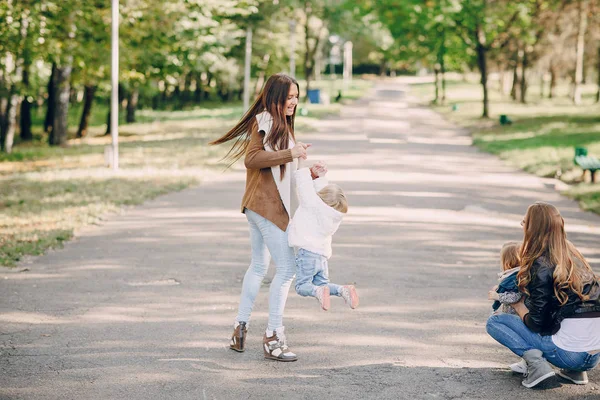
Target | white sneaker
(519,368)
(349,295)
(322,294)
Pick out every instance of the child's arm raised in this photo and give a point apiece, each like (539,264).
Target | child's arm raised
(305,188)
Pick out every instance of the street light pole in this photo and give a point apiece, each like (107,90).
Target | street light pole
(247,68)
(293,48)
(114,95)
(347,64)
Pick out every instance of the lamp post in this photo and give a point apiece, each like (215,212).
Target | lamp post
(347,64)
(114,95)
(334,55)
(247,68)
(293,48)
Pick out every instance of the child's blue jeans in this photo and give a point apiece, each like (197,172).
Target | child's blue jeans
(312,271)
(510,331)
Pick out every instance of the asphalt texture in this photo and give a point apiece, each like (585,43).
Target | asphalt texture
(142,306)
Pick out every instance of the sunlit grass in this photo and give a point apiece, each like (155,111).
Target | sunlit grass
(543,134)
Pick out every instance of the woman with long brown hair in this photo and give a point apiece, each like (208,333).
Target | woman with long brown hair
(265,137)
(559,318)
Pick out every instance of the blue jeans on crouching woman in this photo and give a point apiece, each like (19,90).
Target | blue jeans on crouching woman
(511,331)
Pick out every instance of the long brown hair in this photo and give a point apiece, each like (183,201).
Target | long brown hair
(545,236)
(271,99)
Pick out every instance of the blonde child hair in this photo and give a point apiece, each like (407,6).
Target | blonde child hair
(509,255)
(334,197)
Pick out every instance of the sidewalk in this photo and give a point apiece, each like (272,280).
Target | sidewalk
(142,307)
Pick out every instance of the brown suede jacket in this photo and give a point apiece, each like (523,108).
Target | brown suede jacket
(262,195)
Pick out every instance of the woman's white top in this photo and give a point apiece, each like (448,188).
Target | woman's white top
(315,222)
(578,334)
(285,185)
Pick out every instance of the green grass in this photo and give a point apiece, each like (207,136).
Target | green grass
(542,137)
(47,193)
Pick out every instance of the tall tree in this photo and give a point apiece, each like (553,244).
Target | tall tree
(582,28)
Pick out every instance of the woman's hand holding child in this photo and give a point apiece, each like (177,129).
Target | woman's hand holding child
(299,150)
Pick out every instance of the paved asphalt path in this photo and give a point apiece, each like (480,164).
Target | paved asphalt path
(142,306)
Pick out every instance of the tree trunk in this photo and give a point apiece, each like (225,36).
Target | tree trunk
(583,9)
(11,122)
(523,82)
(516,83)
(198,90)
(108,118)
(309,56)
(442,66)
(3,109)
(482,64)
(187,94)
(542,86)
(443,85)
(132,103)
(49,121)
(261,74)
(436,72)
(553,78)
(58,136)
(259,82)
(26,134)
(88,99)
(307,71)
(207,86)
(598,92)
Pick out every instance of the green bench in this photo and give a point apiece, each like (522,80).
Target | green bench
(585,162)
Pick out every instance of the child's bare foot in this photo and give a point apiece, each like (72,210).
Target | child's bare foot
(322,294)
(349,295)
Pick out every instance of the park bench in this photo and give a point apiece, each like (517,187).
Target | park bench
(585,162)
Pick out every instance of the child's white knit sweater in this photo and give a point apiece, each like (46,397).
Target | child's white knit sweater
(314,222)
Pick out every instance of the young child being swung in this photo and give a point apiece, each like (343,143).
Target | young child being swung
(321,209)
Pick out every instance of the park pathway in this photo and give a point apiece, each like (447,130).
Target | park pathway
(142,307)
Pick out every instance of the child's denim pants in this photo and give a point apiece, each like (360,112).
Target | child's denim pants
(312,271)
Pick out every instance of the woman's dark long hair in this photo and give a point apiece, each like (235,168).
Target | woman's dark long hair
(271,99)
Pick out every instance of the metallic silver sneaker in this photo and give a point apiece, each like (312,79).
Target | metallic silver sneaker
(275,347)
(538,369)
(577,377)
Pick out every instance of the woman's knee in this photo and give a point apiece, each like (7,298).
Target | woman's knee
(492,324)
(258,268)
(286,266)
(286,275)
